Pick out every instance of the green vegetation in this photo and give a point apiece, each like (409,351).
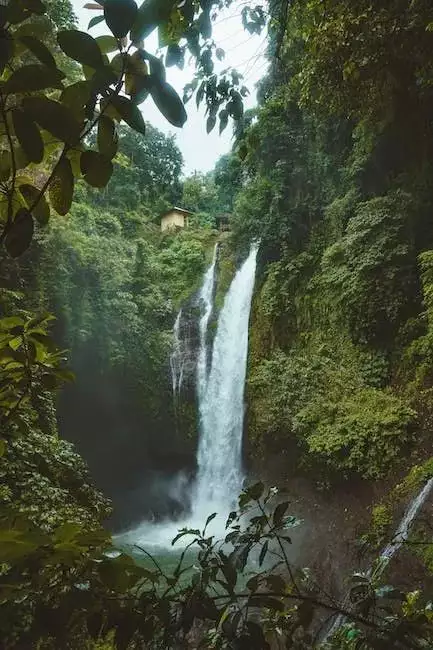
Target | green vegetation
(333,174)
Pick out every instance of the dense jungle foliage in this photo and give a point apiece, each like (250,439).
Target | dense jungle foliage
(333,174)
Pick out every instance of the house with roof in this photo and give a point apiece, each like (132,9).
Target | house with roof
(175,218)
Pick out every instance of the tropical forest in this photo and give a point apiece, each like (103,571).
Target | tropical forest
(216,324)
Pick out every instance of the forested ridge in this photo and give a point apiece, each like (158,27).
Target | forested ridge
(332,175)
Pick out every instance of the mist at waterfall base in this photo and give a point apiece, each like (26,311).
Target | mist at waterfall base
(220,392)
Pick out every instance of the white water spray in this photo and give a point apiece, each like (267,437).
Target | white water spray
(205,300)
(221,411)
(221,400)
(177,360)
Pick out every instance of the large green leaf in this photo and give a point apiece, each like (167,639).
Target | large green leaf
(76,95)
(120,16)
(61,187)
(95,21)
(107,44)
(81,47)
(169,103)
(54,117)
(39,50)
(6,48)
(31,194)
(20,233)
(96,168)
(33,77)
(5,164)
(150,14)
(107,137)
(129,112)
(28,136)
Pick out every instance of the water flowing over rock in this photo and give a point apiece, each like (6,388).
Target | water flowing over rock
(220,395)
(205,302)
(221,399)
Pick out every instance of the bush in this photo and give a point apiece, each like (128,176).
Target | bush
(365,431)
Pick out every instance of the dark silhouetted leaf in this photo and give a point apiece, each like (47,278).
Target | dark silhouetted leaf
(150,13)
(263,553)
(120,16)
(276,583)
(81,47)
(210,123)
(107,137)
(5,164)
(33,77)
(6,48)
(76,95)
(255,491)
(28,136)
(41,211)
(62,187)
(20,234)
(39,50)
(95,21)
(169,103)
(54,117)
(96,168)
(279,513)
(129,112)
(174,55)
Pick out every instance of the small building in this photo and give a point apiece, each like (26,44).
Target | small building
(175,218)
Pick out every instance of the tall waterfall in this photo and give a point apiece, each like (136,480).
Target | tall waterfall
(220,395)
(205,299)
(221,399)
(177,358)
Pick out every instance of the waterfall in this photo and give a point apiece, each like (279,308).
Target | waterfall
(402,532)
(400,536)
(205,300)
(177,358)
(220,394)
(221,399)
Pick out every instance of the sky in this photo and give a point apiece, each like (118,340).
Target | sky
(244,51)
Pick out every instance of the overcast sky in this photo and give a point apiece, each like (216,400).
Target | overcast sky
(243,51)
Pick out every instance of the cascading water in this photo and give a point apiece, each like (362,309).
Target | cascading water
(399,538)
(221,407)
(177,358)
(221,400)
(205,300)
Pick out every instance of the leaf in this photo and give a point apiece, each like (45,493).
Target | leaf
(102,79)
(169,103)
(33,77)
(255,491)
(28,136)
(42,210)
(107,137)
(54,117)
(6,48)
(95,21)
(96,168)
(62,187)
(129,112)
(76,95)
(137,79)
(39,50)
(107,44)
(263,552)
(149,15)
(253,583)
(279,513)
(120,16)
(20,233)
(5,164)
(276,583)
(224,118)
(229,572)
(210,123)
(81,47)
(210,518)
(174,55)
